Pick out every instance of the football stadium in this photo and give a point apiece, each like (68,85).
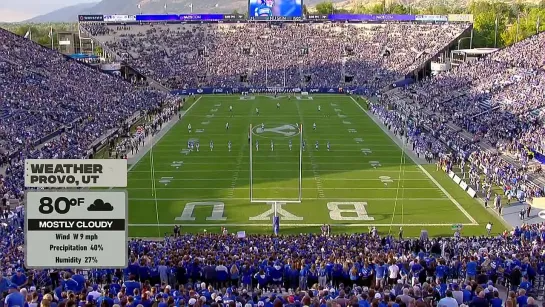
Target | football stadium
(294,154)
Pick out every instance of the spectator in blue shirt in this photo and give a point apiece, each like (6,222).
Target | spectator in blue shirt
(496,301)
(14,298)
(19,279)
(4,284)
(471,269)
(522,299)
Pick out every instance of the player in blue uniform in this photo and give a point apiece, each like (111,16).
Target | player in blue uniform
(265,9)
(316,145)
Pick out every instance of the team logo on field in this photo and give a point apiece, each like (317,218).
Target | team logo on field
(283,131)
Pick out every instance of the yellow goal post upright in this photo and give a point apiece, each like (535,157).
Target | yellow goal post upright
(300,181)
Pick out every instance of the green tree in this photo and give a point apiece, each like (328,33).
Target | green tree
(377,8)
(325,8)
(398,8)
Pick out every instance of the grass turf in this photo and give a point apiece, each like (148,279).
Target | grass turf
(365,179)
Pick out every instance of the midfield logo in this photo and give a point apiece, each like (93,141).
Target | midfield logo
(286,130)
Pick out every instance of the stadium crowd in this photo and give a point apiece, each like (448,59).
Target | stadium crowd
(299,270)
(43,92)
(495,102)
(217,55)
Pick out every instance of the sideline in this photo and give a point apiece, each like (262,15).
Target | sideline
(413,158)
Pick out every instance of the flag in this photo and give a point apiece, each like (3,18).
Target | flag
(139,6)
(165,6)
(191,6)
(28,34)
(50,35)
(217,5)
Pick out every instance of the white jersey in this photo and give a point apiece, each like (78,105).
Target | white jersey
(328,147)
(230,108)
(316,144)
(229,145)
(314,126)
(211,145)
(257,111)
(272,146)
(290,145)
(189,127)
(256,145)
(226,126)
(319,108)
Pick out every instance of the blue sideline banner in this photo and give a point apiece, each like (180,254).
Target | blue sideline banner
(259,90)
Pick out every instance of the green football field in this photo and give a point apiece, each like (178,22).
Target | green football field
(364,180)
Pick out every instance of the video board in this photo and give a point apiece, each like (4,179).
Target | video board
(275,9)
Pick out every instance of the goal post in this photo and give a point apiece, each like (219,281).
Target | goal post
(299,196)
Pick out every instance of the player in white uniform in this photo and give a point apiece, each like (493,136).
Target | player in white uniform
(189,128)
(226,126)
(197,145)
(328,146)
(278,105)
(230,108)
(272,146)
(290,145)
(256,145)
(229,146)
(314,126)
(262,126)
(211,145)
(316,145)
(257,111)
(319,108)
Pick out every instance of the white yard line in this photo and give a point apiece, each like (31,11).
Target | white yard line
(279,178)
(283,188)
(366,163)
(287,224)
(241,156)
(306,198)
(377,145)
(423,170)
(269,171)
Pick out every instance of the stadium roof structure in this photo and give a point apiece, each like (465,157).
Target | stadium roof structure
(478,51)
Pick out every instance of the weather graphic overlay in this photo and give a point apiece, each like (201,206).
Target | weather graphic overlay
(73,173)
(76,228)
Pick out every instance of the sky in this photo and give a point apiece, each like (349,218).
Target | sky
(19,10)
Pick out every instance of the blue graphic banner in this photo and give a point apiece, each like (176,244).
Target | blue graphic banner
(261,90)
(372,17)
